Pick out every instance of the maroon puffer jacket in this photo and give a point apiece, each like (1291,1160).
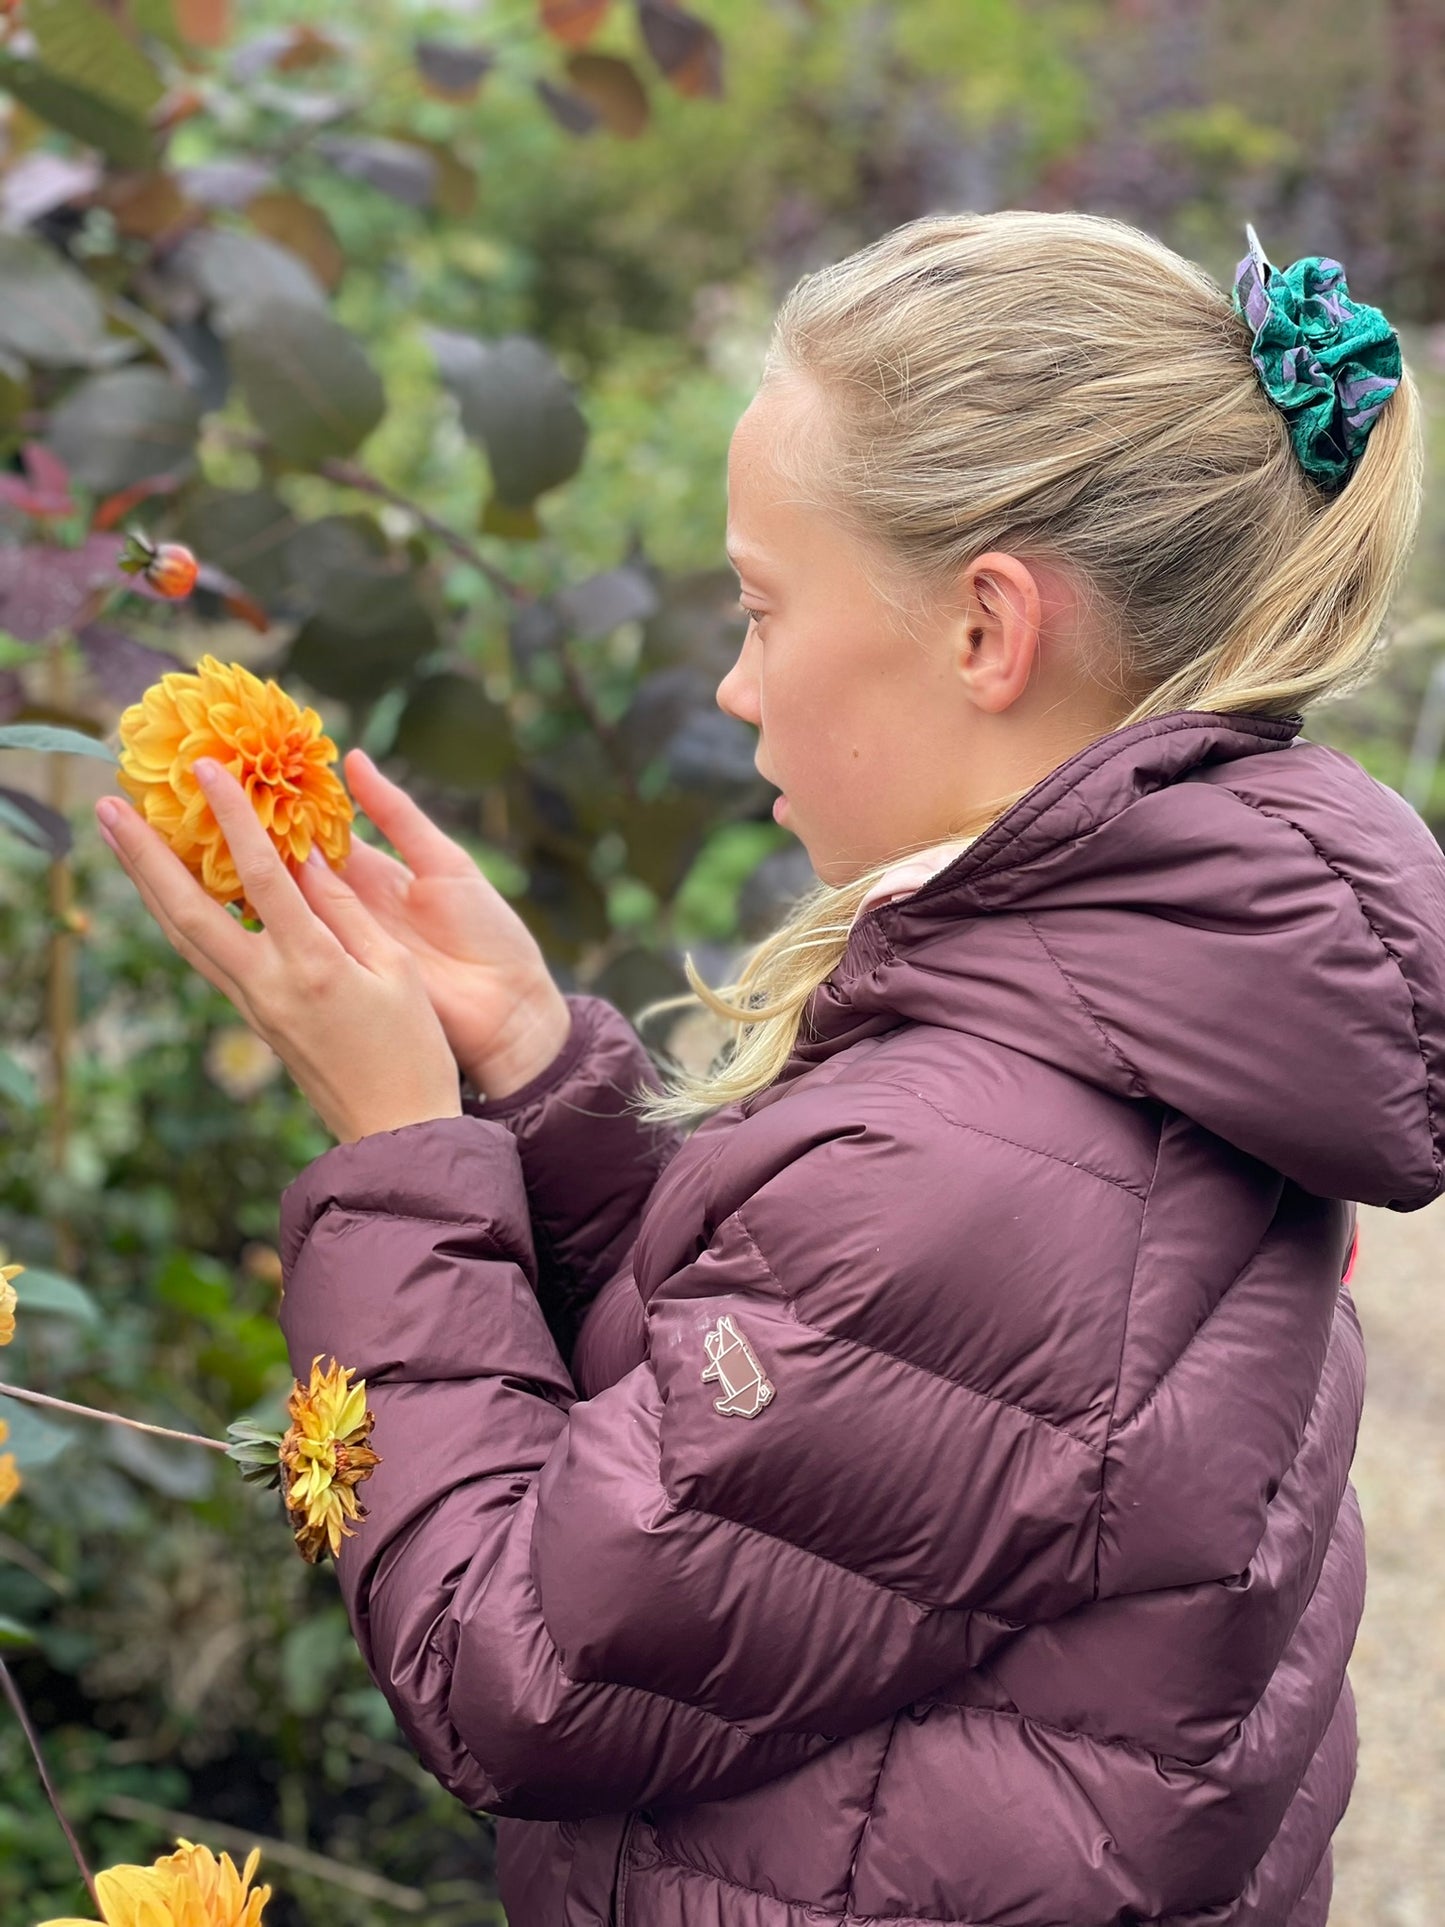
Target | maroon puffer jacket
(944,1514)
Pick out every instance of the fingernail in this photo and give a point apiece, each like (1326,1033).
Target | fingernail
(205,768)
(314,857)
(108,810)
(105,833)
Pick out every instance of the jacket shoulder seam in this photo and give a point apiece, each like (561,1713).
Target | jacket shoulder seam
(1138,1083)
(1034,1150)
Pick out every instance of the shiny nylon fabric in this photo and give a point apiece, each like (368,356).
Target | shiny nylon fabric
(1028,1596)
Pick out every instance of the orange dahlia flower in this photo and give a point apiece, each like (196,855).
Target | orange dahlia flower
(187,1888)
(272,746)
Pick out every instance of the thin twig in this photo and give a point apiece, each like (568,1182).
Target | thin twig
(353,475)
(358,1880)
(17,1704)
(19,1554)
(109,1418)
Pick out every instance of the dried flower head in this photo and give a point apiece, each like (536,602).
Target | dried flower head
(272,746)
(187,1888)
(7,1298)
(9,1478)
(324,1456)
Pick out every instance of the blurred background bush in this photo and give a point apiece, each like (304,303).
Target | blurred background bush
(427,328)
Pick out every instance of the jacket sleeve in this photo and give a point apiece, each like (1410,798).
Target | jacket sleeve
(587,1162)
(578,1606)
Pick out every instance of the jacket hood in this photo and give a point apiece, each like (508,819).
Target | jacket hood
(1205,910)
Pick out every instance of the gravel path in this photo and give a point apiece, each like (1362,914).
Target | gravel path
(1390,1847)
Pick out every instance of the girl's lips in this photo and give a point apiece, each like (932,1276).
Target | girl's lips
(780,803)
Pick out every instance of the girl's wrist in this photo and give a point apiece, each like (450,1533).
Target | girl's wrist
(529,1053)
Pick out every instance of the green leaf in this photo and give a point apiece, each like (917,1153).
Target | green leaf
(340,655)
(453,732)
(40,1290)
(308,383)
(76,111)
(17,1084)
(34,1440)
(52,737)
(51,315)
(80,43)
(13,1636)
(516,402)
(166,1465)
(245,275)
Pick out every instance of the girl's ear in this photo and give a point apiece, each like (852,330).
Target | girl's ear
(1002,618)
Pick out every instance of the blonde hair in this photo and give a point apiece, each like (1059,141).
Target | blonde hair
(1062,384)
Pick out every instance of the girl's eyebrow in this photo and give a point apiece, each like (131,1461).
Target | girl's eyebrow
(743,557)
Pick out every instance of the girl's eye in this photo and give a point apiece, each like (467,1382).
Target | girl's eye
(753,615)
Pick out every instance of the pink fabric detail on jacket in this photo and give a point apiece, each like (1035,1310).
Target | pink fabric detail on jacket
(910,872)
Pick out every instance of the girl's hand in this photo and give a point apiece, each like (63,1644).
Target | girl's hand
(338,999)
(488,982)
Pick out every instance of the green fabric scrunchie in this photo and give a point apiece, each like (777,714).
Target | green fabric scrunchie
(1328,363)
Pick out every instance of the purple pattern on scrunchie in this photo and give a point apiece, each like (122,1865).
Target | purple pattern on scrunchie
(1328,363)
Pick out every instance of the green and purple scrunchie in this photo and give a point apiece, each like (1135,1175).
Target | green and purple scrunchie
(1329,364)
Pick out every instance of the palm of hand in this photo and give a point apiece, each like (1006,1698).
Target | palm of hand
(479,962)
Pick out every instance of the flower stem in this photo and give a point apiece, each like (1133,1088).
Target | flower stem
(110,1418)
(32,1738)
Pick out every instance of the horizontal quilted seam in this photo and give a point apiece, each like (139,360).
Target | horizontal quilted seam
(911,1364)
(1278,816)
(1115,1741)
(703,1713)
(925,1609)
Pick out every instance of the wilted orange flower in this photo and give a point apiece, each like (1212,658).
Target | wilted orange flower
(9,1478)
(324,1457)
(187,1888)
(7,1298)
(272,746)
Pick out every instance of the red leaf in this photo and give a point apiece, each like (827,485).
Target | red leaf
(113,507)
(573,22)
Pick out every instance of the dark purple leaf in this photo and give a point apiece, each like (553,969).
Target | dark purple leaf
(598,605)
(28,817)
(451,68)
(569,110)
(43,589)
(123,668)
(229,183)
(408,174)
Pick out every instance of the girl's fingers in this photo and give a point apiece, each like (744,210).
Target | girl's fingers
(429,850)
(340,908)
(269,885)
(371,871)
(197,928)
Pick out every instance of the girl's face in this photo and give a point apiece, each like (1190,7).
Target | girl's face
(881,742)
